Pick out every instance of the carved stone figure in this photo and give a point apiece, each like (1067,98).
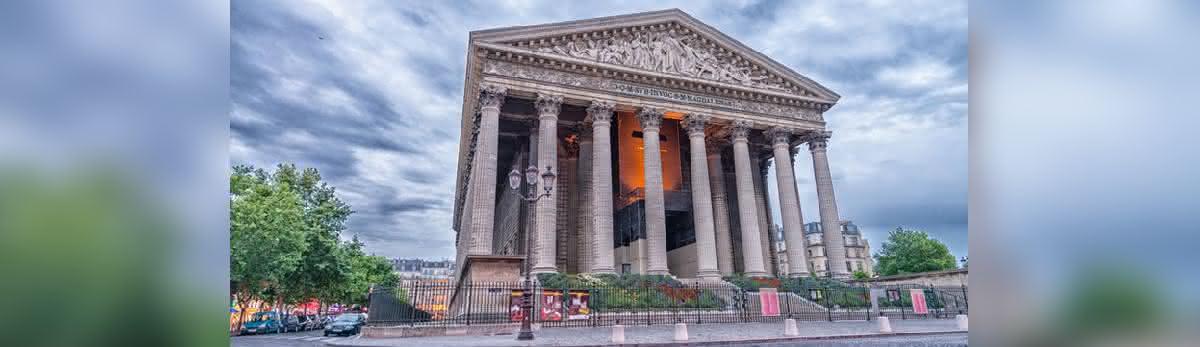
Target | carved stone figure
(670,51)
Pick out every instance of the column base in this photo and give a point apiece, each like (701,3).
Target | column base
(603,272)
(543,270)
(841,276)
(659,272)
(756,274)
(799,274)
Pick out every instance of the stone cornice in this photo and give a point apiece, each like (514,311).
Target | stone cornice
(500,52)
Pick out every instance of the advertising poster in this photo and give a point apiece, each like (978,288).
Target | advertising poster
(577,307)
(918,301)
(769,298)
(552,305)
(515,313)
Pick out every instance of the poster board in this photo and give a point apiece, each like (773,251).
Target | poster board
(769,297)
(918,301)
(577,304)
(552,305)
(515,313)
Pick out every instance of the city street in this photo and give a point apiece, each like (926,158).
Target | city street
(298,339)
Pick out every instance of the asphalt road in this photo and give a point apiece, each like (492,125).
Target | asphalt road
(312,338)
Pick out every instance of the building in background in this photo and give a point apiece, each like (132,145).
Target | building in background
(858,250)
(421,268)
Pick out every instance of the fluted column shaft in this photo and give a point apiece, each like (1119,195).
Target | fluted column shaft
(764,215)
(585,240)
(720,210)
(483,180)
(789,202)
(602,187)
(547,208)
(835,248)
(702,211)
(747,209)
(656,217)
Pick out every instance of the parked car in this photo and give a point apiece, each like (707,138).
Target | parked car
(291,323)
(346,324)
(262,323)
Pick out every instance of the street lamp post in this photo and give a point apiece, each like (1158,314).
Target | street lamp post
(531,196)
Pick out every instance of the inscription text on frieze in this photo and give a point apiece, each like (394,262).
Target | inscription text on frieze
(661,93)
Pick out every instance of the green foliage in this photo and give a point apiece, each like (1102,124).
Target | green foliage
(285,243)
(860,275)
(633,291)
(912,251)
(88,256)
(1111,299)
(266,236)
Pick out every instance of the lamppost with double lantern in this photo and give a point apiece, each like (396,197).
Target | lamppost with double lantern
(530,196)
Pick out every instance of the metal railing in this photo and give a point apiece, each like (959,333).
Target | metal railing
(418,303)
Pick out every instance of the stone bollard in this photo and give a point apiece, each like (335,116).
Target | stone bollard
(681,332)
(884,325)
(789,328)
(962,321)
(618,334)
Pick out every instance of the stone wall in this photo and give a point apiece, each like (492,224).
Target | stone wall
(682,261)
(948,278)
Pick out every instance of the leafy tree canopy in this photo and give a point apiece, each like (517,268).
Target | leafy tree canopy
(912,251)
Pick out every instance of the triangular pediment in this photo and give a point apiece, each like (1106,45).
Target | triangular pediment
(668,42)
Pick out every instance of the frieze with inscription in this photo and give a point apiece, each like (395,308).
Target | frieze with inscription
(508,69)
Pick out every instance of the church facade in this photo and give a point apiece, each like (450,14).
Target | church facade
(660,130)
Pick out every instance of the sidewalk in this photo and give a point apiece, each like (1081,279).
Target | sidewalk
(663,334)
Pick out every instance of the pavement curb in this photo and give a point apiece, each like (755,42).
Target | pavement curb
(724,342)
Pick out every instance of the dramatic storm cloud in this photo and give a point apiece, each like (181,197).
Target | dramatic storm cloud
(370,94)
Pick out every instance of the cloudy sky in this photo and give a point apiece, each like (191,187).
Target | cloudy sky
(370,94)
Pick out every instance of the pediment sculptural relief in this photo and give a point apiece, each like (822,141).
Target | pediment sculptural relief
(668,51)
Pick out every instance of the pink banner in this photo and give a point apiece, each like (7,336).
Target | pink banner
(769,298)
(918,301)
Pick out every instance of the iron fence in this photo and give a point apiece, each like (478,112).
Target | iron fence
(440,303)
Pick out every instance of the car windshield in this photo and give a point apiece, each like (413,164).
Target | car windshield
(348,318)
(261,316)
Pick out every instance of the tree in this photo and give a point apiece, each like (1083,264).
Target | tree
(366,271)
(859,275)
(266,235)
(323,266)
(912,251)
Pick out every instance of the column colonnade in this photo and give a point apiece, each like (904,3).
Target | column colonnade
(709,193)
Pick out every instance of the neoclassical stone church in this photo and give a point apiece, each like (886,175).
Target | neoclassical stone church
(659,130)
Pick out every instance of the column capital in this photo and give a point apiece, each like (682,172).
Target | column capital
(650,117)
(741,129)
(601,110)
(779,135)
(491,95)
(548,104)
(818,139)
(695,123)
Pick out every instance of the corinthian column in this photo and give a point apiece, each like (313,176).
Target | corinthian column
(702,211)
(835,249)
(547,209)
(752,252)
(656,217)
(601,113)
(716,171)
(789,203)
(483,180)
